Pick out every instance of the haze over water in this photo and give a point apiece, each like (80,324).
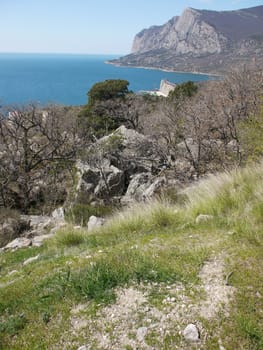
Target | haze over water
(66,78)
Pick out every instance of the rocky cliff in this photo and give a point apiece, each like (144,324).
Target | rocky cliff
(200,40)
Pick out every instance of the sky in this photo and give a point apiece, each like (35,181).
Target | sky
(90,26)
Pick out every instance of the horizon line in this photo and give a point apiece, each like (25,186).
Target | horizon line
(60,53)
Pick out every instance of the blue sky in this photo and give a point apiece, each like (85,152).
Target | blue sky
(89,26)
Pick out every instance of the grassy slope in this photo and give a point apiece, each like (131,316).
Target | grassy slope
(149,248)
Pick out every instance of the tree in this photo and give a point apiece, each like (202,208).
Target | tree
(107,90)
(127,110)
(37,146)
(94,119)
(187,89)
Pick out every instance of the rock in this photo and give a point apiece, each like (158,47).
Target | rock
(191,333)
(198,40)
(94,184)
(20,242)
(114,161)
(141,333)
(58,214)
(12,228)
(95,222)
(112,185)
(142,187)
(38,240)
(154,187)
(30,260)
(41,224)
(203,218)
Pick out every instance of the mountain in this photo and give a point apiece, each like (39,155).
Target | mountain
(200,40)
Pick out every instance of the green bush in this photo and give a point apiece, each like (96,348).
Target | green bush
(69,237)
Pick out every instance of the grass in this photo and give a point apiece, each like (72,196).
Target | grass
(153,244)
(80,213)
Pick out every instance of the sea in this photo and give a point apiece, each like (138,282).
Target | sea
(66,78)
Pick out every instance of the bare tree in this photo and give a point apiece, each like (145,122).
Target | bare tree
(36,145)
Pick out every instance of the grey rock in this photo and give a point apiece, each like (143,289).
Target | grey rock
(191,333)
(107,173)
(185,34)
(58,214)
(41,225)
(20,242)
(95,222)
(142,187)
(112,185)
(141,333)
(198,39)
(12,228)
(38,240)
(203,218)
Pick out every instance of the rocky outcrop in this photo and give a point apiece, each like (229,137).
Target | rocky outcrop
(123,165)
(200,40)
(12,228)
(30,230)
(189,33)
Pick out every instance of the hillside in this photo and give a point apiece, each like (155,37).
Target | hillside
(179,275)
(200,40)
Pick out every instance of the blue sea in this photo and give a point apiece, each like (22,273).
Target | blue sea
(66,79)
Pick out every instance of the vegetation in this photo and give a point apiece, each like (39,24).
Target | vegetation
(80,213)
(193,250)
(107,90)
(147,250)
(38,148)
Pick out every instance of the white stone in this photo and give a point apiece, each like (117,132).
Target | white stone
(191,333)
(30,260)
(95,222)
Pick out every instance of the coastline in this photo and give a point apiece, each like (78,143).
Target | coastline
(163,69)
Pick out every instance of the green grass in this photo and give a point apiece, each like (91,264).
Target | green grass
(153,244)
(80,213)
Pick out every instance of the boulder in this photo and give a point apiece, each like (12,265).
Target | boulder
(142,187)
(94,184)
(138,153)
(95,222)
(12,228)
(20,242)
(111,184)
(113,162)
(38,240)
(58,214)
